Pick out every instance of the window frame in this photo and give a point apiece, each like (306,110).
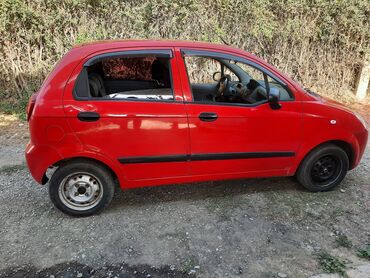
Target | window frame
(219,56)
(161,53)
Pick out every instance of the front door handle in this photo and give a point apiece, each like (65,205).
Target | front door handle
(88,116)
(208,116)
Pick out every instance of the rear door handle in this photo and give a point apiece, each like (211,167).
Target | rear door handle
(208,116)
(88,116)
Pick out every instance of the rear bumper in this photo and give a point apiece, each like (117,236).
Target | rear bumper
(39,159)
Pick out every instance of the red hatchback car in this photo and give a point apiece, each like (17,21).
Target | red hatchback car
(143,113)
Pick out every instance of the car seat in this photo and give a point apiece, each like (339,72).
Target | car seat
(96,85)
(160,74)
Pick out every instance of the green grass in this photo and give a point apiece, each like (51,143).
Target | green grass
(364,252)
(331,264)
(14,107)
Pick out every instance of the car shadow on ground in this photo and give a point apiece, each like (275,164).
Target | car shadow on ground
(201,191)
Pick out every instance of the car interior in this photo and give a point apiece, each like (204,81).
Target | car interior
(149,78)
(131,78)
(230,82)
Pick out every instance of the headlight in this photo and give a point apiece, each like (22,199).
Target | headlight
(361,119)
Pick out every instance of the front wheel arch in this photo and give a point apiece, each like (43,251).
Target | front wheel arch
(347,147)
(326,176)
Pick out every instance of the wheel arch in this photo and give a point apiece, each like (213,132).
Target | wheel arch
(347,147)
(114,172)
(344,145)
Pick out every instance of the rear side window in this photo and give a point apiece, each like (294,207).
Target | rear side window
(142,77)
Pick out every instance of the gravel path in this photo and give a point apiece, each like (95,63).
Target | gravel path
(245,228)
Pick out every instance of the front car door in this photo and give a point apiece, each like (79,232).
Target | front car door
(237,135)
(127,106)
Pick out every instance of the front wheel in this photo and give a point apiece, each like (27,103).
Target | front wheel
(323,168)
(81,188)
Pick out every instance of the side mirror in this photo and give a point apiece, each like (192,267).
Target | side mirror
(217,76)
(274,97)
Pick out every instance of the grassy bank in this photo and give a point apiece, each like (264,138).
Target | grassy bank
(318,43)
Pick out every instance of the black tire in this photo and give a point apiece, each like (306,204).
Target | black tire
(72,182)
(323,168)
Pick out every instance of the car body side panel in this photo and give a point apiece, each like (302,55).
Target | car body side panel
(50,135)
(324,122)
(242,129)
(54,141)
(258,129)
(55,137)
(132,128)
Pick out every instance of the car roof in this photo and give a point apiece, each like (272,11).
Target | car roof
(94,46)
(151,43)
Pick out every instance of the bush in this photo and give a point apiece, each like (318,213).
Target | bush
(319,43)
(364,252)
(331,264)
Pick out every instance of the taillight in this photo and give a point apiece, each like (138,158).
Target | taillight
(30,106)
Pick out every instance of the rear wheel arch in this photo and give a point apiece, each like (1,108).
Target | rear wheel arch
(82,187)
(83,159)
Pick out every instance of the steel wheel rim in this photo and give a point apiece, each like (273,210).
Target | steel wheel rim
(80,191)
(326,169)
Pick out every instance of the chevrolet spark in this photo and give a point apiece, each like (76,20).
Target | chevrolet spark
(144,113)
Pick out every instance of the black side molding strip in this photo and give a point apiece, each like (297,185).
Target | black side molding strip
(153,159)
(200,157)
(222,156)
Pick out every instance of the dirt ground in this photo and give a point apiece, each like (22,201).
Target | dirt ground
(245,228)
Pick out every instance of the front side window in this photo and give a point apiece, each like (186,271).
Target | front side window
(226,81)
(141,78)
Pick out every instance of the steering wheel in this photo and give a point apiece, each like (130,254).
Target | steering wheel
(222,87)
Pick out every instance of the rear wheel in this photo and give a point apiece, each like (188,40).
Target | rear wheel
(323,168)
(81,188)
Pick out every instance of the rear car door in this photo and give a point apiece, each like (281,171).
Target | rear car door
(127,106)
(238,138)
